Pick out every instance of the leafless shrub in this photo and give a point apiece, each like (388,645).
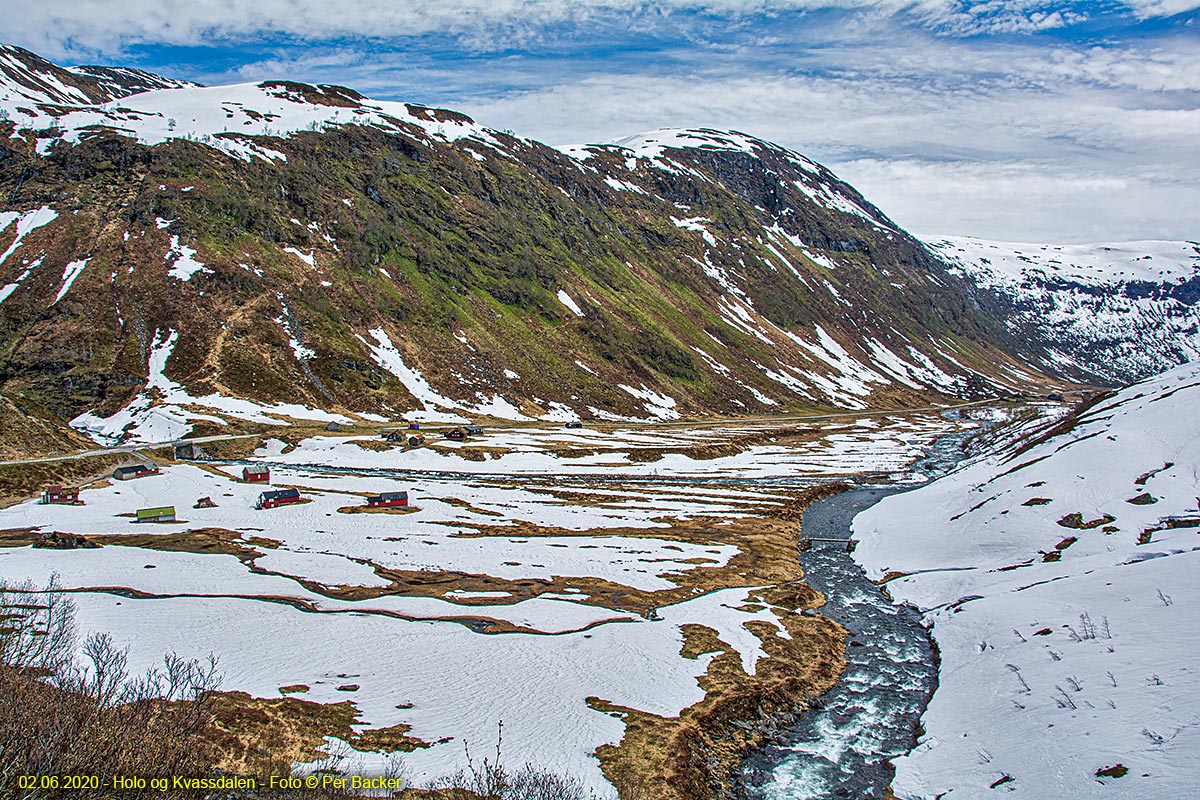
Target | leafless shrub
(1074,683)
(63,715)
(491,779)
(1063,700)
(1017,671)
(1165,598)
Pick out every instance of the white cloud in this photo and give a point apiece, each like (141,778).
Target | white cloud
(1028,200)
(1011,137)
(1003,142)
(56,27)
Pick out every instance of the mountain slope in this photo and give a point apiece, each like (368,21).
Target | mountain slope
(1059,582)
(31,82)
(275,250)
(1101,313)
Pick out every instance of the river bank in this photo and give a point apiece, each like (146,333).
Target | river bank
(843,747)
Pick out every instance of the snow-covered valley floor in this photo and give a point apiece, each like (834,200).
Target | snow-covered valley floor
(534,569)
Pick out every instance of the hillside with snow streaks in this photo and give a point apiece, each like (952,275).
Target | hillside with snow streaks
(1059,581)
(1108,313)
(319,252)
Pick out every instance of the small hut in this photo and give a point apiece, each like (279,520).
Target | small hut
(416,440)
(456,434)
(256,474)
(160,514)
(278,497)
(388,500)
(135,471)
(60,495)
(473,430)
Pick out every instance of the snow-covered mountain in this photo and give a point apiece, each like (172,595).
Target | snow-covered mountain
(1059,579)
(177,258)
(32,87)
(1100,313)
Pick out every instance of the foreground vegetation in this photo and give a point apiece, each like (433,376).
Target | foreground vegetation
(73,718)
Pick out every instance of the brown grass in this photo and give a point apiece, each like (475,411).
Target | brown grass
(20,482)
(692,756)
(265,736)
(368,510)
(199,540)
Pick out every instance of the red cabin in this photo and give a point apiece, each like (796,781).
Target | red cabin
(279,497)
(256,475)
(60,495)
(388,500)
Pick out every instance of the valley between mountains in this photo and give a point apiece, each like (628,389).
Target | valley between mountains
(453,443)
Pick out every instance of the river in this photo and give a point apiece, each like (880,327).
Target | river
(842,747)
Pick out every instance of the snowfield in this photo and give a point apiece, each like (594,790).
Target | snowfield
(524,552)
(1134,302)
(1060,585)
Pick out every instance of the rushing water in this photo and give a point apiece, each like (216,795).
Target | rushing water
(842,748)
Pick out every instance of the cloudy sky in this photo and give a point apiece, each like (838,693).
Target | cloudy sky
(1021,120)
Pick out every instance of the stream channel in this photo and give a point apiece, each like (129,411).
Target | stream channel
(843,747)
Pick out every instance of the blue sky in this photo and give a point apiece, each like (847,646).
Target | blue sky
(1012,119)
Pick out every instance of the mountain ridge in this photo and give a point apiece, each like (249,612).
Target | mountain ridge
(303,247)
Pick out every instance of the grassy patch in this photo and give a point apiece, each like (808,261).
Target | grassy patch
(265,736)
(692,756)
(20,482)
(369,510)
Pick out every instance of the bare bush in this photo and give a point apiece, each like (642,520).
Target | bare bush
(74,709)
(491,780)
(63,714)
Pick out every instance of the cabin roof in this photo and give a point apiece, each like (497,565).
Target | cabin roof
(161,511)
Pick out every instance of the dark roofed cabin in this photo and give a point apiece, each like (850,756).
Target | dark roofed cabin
(256,475)
(473,429)
(278,497)
(396,436)
(388,500)
(456,434)
(136,471)
(60,495)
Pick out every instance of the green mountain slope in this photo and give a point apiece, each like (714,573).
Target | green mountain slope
(224,251)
